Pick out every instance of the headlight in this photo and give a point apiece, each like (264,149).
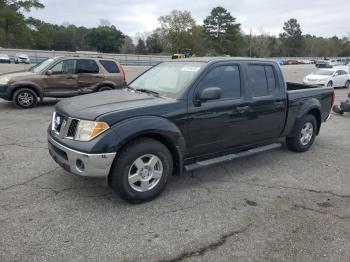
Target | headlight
(4,81)
(88,130)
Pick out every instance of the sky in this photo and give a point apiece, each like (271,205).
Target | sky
(317,17)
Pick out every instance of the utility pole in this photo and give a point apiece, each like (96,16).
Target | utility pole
(250,43)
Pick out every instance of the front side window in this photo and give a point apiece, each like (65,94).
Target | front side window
(168,78)
(226,77)
(64,67)
(87,66)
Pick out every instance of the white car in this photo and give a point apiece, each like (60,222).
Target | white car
(22,58)
(328,77)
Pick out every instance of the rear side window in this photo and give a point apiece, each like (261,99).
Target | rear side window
(110,66)
(226,77)
(87,66)
(262,80)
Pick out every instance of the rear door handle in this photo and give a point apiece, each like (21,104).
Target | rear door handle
(98,76)
(71,77)
(242,109)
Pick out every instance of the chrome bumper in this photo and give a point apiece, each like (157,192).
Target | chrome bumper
(79,163)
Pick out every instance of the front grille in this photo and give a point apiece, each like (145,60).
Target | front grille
(72,128)
(63,126)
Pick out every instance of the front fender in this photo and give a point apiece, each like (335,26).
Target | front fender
(14,86)
(132,128)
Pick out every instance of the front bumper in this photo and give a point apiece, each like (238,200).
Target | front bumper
(5,92)
(79,163)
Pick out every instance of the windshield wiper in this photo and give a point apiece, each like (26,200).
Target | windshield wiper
(147,91)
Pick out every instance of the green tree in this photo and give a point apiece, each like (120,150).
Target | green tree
(107,39)
(128,46)
(292,38)
(13,29)
(154,43)
(141,47)
(176,28)
(223,32)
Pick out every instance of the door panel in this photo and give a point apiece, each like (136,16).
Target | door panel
(269,103)
(89,75)
(63,77)
(219,124)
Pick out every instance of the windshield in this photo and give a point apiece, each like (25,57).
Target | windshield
(323,72)
(42,65)
(168,78)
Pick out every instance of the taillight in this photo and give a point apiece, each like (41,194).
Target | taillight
(122,72)
(333,97)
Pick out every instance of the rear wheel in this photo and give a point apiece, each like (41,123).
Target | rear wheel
(25,98)
(304,134)
(142,170)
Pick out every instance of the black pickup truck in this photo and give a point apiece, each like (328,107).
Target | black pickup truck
(184,115)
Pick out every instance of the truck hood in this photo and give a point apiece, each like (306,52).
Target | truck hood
(91,106)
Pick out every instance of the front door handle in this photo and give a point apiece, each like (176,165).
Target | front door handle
(279,104)
(71,77)
(242,109)
(98,76)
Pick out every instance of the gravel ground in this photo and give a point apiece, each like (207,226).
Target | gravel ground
(276,206)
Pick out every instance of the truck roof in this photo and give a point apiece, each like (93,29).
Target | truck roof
(217,59)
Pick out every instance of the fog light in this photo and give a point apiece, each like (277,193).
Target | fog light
(80,165)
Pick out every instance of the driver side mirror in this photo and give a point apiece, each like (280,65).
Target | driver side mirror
(209,93)
(48,72)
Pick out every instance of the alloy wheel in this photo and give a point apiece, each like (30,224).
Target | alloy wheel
(306,133)
(145,173)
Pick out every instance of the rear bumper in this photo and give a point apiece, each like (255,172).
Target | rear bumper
(79,163)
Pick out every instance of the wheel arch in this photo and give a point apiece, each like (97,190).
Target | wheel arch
(313,107)
(156,128)
(29,86)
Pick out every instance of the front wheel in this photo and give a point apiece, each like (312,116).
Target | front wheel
(347,84)
(104,88)
(330,84)
(142,170)
(304,134)
(25,98)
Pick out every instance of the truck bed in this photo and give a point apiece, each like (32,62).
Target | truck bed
(299,95)
(297,86)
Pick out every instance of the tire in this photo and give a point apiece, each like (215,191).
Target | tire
(330,84)
(336,109)
(347,84)
(104,88)
(25,98)
(304,134)
(134,178)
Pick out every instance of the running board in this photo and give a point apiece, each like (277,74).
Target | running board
(230,157)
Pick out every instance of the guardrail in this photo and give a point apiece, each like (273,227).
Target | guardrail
(37,56)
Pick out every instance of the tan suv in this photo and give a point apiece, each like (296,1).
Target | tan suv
(61,77)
